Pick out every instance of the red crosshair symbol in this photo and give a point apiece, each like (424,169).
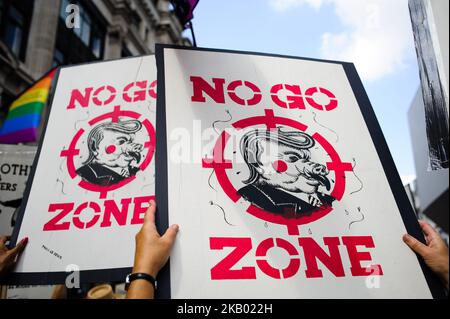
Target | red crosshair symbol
(220,165)
(115,116)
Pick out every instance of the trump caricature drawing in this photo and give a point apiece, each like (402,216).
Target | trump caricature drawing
(113,154)
(283,179)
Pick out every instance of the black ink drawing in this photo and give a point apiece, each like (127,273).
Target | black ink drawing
(112,151)
(59,180)
(213,125)
(360,181)
(62,185)
(288,182)
(209,180)
(358,220)
(223,212)
(327,128)
(75,125)
(222,121)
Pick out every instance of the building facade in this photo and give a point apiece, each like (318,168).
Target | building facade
(36,35)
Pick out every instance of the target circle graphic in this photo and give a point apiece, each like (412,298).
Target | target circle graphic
(73,150)
(220,165)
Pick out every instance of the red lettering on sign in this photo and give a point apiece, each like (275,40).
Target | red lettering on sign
(314,252)
(255,99)
(105,95)
(82,99)
(138,95)
(223,269)
(53,225)
(120,215)
(110,210)
(81,225)
(293,100)
(357,256)
(201,86)
(108,99)
(263,264)
(141,204)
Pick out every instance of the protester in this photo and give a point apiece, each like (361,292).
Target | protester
(434,253)
(8,257)
(152,253)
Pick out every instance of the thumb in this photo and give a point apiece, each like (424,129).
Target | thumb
(149,217)
(13,253)
(171,234)
(415,245)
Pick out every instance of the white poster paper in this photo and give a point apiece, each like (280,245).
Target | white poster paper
(95,173)
(277,182)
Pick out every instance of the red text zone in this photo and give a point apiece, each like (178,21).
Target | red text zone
(308,258)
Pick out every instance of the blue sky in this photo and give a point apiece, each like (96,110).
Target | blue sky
(374,34)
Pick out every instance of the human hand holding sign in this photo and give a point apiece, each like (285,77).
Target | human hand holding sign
(434,253)
(152,253)
(8,256)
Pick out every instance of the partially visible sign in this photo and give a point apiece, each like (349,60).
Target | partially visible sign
(434,80)
(15,167)
(94,176)
(29,292)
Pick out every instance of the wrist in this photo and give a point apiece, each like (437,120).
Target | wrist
(149,270)
(443,273)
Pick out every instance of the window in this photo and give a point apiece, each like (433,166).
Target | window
(84,30)
(83,43)
(62,11)
(14,30)
(58,58)
(1,11)
(5,101)
(15,19)
(97,44)
(126,52)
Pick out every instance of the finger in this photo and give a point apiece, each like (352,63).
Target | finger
(415,245)
(3,240)
(429,231)
(16,251)
(149,217)
(171,234)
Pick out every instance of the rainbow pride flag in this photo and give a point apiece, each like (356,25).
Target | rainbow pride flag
(25,113)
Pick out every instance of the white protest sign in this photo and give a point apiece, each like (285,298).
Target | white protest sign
(280,179)
(95,173)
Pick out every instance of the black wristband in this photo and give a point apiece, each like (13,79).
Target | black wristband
(137,276)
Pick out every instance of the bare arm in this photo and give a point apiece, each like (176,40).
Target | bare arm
(152,253)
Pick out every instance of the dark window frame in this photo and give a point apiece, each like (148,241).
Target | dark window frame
(24,8)
(71,43)
(6,99)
